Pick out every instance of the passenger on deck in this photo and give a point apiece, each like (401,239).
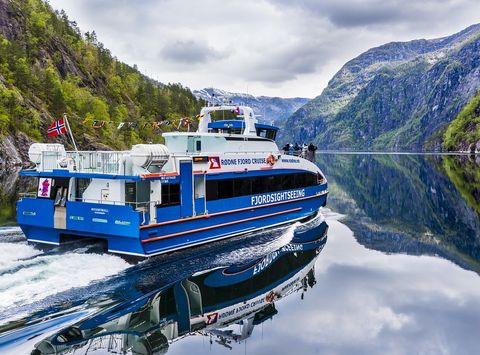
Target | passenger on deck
(291,150)
(297,149)
(304,150)
(311,152)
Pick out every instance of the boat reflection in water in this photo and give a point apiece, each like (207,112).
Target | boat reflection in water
(208,303)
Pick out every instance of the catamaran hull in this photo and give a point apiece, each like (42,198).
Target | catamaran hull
(119,225)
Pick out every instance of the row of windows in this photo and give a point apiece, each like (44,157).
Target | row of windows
(244,186)
(227,188)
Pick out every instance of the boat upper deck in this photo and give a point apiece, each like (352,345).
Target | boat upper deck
(217,146)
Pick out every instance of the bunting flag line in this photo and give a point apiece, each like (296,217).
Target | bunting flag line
(184,122)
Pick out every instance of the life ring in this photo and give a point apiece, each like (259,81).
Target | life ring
(98,124)
(66,162)
(271,160)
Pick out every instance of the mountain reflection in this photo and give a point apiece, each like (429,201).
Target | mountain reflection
(411,204)
(212,303)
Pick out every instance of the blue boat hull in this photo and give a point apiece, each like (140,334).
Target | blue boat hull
(127,232)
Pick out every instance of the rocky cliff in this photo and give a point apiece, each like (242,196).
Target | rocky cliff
(398,96)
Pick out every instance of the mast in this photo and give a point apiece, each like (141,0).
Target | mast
(70,131)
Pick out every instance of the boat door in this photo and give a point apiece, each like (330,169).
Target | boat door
(199,192)
(186,188)
(60,193)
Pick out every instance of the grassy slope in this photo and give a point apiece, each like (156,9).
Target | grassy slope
(464,129)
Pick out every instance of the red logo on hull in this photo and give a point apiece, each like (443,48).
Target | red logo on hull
(212,318)
(214,162)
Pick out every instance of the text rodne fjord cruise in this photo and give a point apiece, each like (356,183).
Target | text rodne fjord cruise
(226,179)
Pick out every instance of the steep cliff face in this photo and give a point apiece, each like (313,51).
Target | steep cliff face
(394,97)
(48,67)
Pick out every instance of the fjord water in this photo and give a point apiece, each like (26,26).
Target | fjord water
(398,274)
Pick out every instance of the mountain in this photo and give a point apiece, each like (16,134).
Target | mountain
(272,109)
(399,96)
(48,67)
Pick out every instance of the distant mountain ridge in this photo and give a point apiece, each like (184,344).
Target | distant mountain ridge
(272,109)
(398,96)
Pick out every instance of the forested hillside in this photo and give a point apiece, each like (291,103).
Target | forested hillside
(48,67)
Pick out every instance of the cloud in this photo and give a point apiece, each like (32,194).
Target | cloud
(371,13)
(189,52)
(276,47)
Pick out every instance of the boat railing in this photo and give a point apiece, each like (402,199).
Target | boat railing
(144,205)
(180,155)
(100,162)
(29,194)
(49,159)
(139,206)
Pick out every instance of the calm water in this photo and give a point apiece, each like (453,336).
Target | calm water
(398,274)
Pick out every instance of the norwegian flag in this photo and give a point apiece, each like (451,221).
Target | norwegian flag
(56,128)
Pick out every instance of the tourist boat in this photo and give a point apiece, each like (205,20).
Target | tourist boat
(227,178)
(208,303)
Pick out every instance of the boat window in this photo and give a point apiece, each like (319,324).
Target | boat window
(212,296)
(170,195)
(271,134)
(130,192)
(259,185)
(81,185)
(287,182)
(167,303)
(271,183)
(143,192)
(212,190)
(227,188)
(299,180)
(267,133)
(242,187)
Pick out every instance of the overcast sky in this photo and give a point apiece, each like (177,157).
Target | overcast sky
(268,47)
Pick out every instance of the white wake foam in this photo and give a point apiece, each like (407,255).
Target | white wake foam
(11,253)
(11,234)
(9,230)
(26,281)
